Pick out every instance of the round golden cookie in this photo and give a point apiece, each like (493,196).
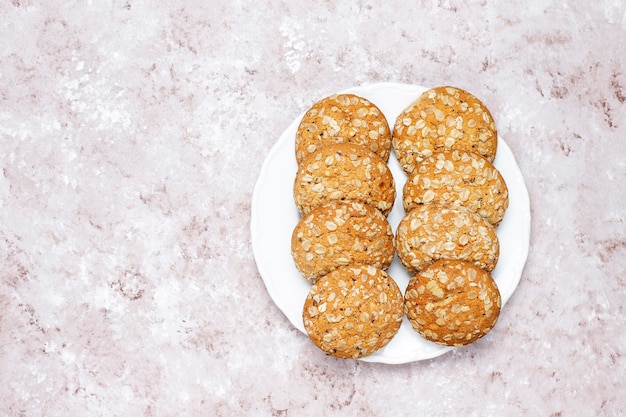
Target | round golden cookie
(341,233)
(458,178)
(344,171)
(343,118)
(353,311)
(432,232)
(443,118)
(452,303)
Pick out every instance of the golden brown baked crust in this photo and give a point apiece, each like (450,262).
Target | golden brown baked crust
(353,311)
(344,172)
(343,118)
(341,233)
(452,302)
(432,232)
(443,118)
(458,178)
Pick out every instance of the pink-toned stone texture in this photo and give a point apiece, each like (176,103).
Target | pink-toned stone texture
(131,137)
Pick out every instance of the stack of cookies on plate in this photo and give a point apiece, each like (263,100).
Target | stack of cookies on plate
(343,244)
(454,198)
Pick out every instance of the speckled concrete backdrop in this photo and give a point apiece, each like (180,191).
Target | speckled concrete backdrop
(131,135)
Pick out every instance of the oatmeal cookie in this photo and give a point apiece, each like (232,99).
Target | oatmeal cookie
(432,232)
(443,118)
(353,311)
(458,178)
(344,172)
(341,233)
(343,118)
(452,302)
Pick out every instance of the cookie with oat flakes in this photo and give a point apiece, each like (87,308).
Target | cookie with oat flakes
(341,233)
(353,311)
(452,302)
(458,178)
(443,118)
(344,171)
(343,118)
(432,232)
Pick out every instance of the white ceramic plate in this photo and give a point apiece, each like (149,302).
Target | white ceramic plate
(274,216)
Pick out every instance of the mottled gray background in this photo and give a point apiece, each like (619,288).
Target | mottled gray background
(131,136)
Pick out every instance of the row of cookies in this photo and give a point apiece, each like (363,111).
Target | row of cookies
(343,189)
(454,198)
(343,243)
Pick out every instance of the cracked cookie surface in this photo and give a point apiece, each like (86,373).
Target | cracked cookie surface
(443,118)
(432,232)
(341,233)
(452,303)
(344,172)
(458,178)
(343,118)
(353,311)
